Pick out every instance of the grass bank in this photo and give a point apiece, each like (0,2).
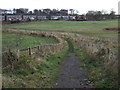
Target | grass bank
(96,68)
(39,73)
(19,41)
(96,72)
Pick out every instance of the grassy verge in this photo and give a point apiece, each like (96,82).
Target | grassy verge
(18,41)
(40,73)
(95,67)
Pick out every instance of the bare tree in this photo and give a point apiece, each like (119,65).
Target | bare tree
(112,14)
(64,12)
(47,11)
(72,11)
(14,11)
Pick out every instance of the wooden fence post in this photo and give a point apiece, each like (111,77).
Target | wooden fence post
(38,47)
(18,54)
(29,51)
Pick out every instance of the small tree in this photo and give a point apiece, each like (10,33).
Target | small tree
(112,14)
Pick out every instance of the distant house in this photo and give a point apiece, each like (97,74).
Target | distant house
(36,17)
(32,17)
(14,17)
(55,17)
(72,16)
(42,17)
(65,17)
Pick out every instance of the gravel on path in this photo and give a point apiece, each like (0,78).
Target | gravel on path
(72,75)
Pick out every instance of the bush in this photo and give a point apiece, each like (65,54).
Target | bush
(28,19)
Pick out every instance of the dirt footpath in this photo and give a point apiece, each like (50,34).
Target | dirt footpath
(72,74)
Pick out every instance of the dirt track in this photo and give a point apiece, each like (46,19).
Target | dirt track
(72,74)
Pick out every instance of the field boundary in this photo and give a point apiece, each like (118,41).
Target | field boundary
(104,49)
(40,50)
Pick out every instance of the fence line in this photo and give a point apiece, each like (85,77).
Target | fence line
(41,50)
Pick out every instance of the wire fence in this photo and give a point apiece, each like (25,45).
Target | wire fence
(41,50)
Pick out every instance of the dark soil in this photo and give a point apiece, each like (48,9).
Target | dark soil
(72,74)
(112,29)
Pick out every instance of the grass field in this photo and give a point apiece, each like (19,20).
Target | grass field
(14,41)
(82,27)
(42,72)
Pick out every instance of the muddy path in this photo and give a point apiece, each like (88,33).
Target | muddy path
(72,74)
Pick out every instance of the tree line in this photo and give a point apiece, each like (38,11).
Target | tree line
(41,11)
(100,15)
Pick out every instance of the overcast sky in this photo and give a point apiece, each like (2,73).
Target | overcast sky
(81,5)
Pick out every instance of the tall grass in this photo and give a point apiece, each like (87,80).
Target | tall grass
(95,65)
(38,73)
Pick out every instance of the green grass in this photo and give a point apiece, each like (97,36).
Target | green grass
(39,73)
(14,41)
(42,73)
(82,27)
(95,67)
